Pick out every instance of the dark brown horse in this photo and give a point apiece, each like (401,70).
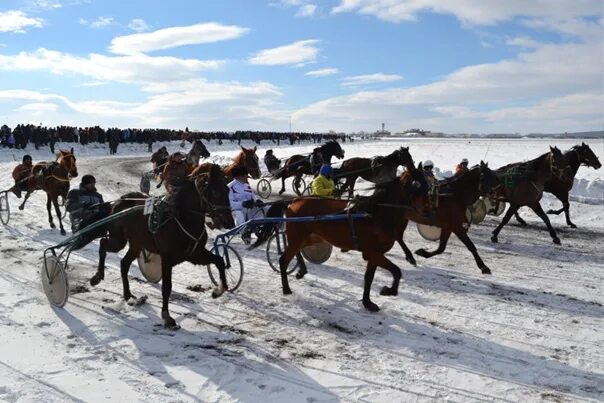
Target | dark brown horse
(179,166)
(246,158)
(181,236)
(524,183)
(53,178)
(373,236)
(455,196)
(159,158)
(298,165)
(375,170)
(576,156)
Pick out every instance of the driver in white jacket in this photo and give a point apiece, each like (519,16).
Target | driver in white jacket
(245,205)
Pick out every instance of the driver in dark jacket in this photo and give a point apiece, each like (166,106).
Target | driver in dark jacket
(86,206)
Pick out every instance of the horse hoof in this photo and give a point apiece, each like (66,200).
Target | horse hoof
(21,207)
(371,307)
(551,212)
(494,239)
(422,253)
(300,276)
(63,232)
(133,301)
(556,241)
(411,260)
(572,225)
(388,291)
(485,270)
(217,292)
(287,291)
(52,225)
(96,279)
(170,324)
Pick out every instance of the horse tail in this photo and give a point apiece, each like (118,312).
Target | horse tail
(266,230)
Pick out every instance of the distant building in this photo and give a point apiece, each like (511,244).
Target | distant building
(383,132)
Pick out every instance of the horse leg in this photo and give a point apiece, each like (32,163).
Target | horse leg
(511,211)
(369,274)
(519,219)
(444,238)
(282,183)
(539,211)
(291,250)
(567,214)
(565,207)
(385,263)
(302,270)
(125,264)
(55,202)
(463,237)
(48,203)
(166,290)
(408,255)
(22,206)
(217,261)
(110,244)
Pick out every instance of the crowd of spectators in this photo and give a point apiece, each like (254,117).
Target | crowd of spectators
(24,134)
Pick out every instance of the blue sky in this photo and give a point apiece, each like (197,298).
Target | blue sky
(470,66)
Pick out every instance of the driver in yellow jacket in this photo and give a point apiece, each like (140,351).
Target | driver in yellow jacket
(323,185)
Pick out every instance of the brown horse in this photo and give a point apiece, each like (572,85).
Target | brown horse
(179,166)
(455,196)
(53,178)
(246,158)
(298,165)
(374,236)
(524,183)
(181,236)
(375,170)
(576,156)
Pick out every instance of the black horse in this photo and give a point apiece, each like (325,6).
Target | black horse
(298,165)
(376,170)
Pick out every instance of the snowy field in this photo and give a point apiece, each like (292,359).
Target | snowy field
(533,331)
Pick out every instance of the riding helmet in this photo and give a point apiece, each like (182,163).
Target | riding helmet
(26,157)
(88,179)
(464,161)
(428,164)
(325,169)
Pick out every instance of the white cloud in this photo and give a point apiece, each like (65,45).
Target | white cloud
(101,22)
(130,69)
(38,108)
(555,96)
(370,79)
(45,4)
(471,11)
(168,38)
(17,21)
(522,41)
(307,10)
(323,72)
(297,53)
(138,25)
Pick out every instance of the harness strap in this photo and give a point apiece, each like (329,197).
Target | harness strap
(353,234)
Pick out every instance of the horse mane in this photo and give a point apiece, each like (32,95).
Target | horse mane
(530,164)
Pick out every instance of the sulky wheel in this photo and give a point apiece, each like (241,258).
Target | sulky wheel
(4,208)
(274,249)
(233,266)
(299,186)
(54,281)
(264,188)
(149,265)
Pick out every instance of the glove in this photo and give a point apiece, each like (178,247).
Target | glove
(259,203)
(248,204)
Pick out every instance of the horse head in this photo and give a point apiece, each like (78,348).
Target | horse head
(489,184)
(214,197)
(200,149)
(587,156)
(67,161)
(404,158)
(249,158)
(332,148)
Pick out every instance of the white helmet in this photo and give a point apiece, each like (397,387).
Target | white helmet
(428,164)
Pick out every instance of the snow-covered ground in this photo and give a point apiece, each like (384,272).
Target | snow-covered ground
(532,331)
